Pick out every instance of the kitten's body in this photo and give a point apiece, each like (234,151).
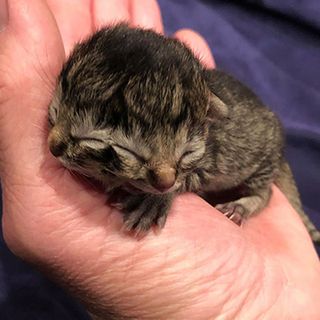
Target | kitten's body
(138,112)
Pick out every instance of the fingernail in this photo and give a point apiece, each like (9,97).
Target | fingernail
(3,14)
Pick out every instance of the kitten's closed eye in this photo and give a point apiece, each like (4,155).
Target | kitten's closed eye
(93,143)
(189,157)
(127,153)
(186,155)
(53,114)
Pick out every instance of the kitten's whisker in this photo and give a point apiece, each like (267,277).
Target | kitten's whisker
(78,174)
(83,177)
(48,79)
(108,170)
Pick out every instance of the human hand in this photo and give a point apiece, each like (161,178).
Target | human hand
(201,266)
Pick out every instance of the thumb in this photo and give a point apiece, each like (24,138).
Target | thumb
(31,54)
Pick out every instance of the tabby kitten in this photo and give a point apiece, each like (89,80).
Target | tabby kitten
(139,113)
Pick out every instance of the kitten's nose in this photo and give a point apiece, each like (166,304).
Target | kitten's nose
(58,148)
(57,145)
(163,179)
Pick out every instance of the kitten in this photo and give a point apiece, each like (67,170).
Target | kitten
(138,112)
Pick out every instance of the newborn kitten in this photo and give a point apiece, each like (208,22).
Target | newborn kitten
(139,113)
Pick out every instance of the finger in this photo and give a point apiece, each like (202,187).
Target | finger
(198,45)
(110,12)
(146,14)
(74,20)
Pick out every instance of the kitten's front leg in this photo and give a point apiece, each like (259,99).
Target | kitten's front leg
(142,211)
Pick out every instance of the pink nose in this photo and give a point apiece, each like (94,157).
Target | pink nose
(164,179)
(58,148)
(57,144)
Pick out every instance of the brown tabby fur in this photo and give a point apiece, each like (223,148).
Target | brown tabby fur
(138,112)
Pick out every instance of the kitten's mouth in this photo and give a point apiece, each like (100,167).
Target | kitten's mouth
(73,166)
(132,189)
(136,188)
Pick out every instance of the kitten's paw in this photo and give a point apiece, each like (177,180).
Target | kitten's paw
(232,210)
(243,208)
(141,212)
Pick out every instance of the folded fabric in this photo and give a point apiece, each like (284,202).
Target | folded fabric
(307,11)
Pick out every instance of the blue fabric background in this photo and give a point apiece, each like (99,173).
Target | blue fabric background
(274,47)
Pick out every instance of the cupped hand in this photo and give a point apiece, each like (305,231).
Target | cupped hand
(200,266)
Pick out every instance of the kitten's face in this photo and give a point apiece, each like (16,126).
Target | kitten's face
(143,128)
(153,159)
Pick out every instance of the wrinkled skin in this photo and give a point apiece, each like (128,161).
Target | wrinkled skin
(201,264)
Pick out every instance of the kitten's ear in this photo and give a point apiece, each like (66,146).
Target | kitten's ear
(217,109)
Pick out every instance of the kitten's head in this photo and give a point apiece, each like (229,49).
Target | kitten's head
(131,108)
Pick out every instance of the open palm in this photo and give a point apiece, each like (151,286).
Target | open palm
(201,266)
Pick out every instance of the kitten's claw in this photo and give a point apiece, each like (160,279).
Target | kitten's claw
(141,212)
(141,221)
(117,205)
(232,210)
(161,221)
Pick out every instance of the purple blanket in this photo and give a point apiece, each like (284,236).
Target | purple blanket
(274,47)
